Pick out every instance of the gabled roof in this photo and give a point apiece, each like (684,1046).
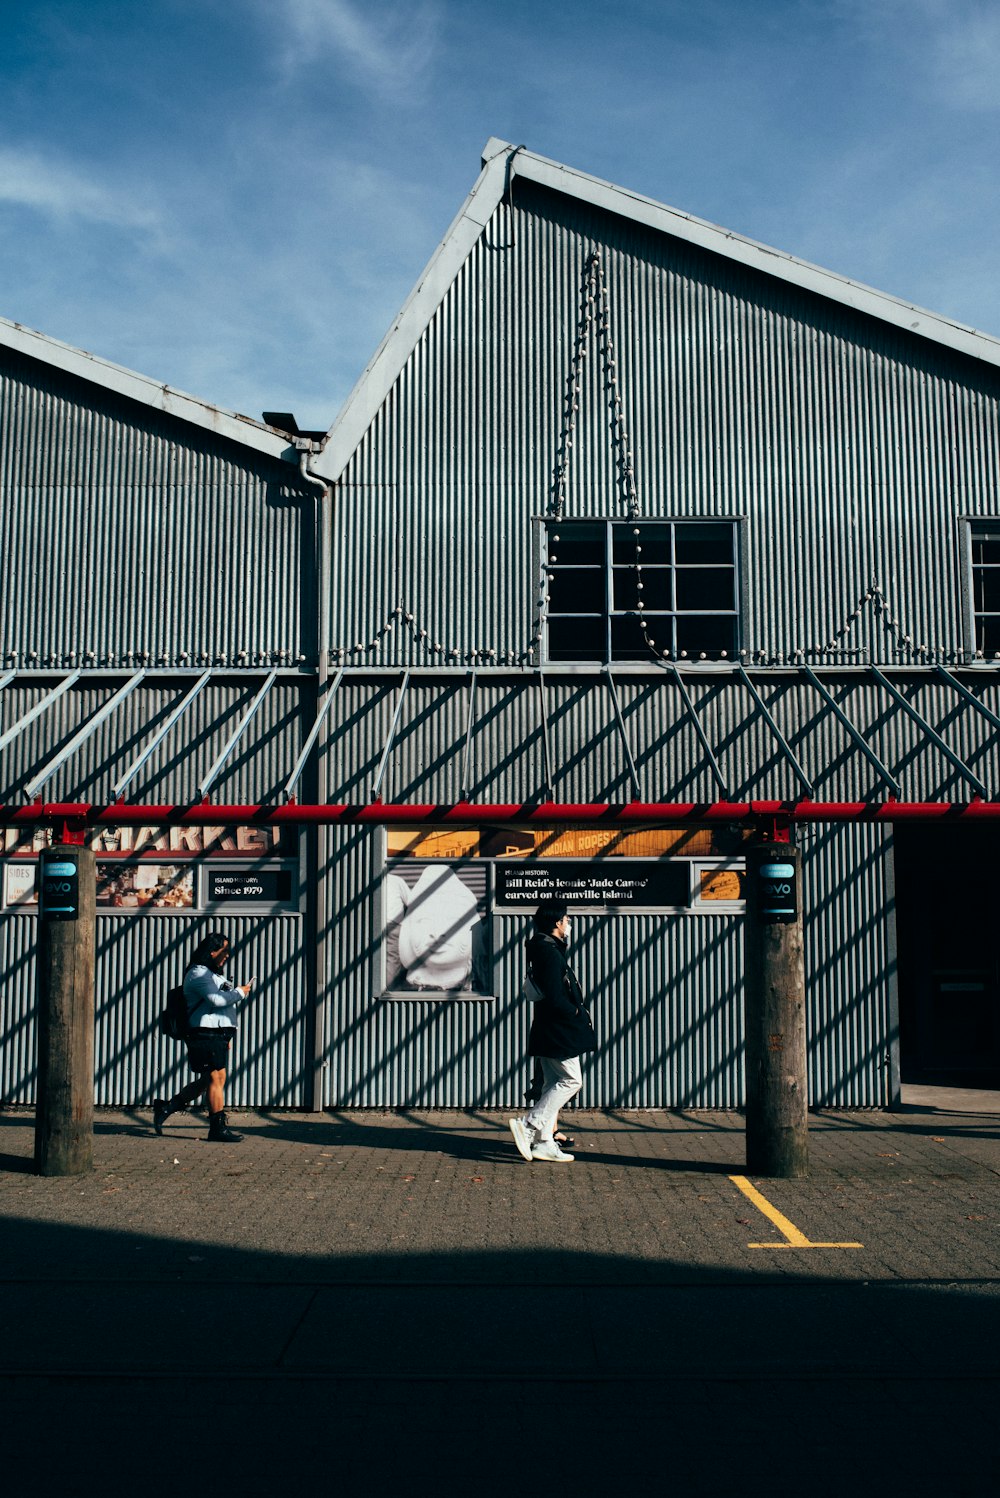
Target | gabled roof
(502,162)
(147,392)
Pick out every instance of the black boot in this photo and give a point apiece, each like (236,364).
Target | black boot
(219,1131)
(161,1112)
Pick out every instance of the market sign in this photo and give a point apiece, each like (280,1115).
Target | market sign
(597,885)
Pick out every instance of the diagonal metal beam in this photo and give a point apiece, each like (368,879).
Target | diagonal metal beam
(546,746)
(720,779)
(841,716)
(470,724)
(769,718)
(636,788)
(307,747)
(89,728)
(931,733)
(40,707)
(392,734)
(235,737)
(161,734)
(970,697)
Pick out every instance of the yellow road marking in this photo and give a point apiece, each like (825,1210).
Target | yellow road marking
(793,1238)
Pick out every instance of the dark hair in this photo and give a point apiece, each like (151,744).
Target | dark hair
(204,953)
(548,915)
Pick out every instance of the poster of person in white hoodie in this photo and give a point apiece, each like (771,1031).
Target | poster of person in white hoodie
(435,931)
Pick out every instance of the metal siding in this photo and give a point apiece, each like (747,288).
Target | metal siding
(256,771)
(850,447)
(665,993)
(154,541)
(137,960)
(19,1048)
(846,945)
(507,761)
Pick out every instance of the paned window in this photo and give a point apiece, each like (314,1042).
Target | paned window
(604,576)
(986,586)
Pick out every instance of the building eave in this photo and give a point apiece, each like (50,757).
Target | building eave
(146,392)
(503,161)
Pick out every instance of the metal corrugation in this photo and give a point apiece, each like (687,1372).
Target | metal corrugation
(742,395)
(154,542)
(846,945)
(665,994)
(256,770)
(136,960)
(506,760)
(19,1048)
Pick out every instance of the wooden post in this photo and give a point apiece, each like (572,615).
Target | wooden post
(64,1113)
(777,1129)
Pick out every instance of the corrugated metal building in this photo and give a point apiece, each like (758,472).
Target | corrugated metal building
(626,510)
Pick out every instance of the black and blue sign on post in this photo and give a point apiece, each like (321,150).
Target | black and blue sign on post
(64,1113)
(777,890)
(60,886)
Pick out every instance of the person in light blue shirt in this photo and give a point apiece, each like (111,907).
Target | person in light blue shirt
(213,1004)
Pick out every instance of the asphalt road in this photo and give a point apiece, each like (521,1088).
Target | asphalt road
(387,1303)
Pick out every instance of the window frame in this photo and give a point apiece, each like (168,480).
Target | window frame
(974,527)
(544,524)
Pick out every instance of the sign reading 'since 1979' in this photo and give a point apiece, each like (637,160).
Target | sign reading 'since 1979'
(604,885)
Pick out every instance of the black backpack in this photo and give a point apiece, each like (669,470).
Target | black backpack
(175,1021)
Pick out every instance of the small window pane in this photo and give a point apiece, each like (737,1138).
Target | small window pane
(654,540)
(657,592)
(986,583)
(711,634)
(988,634)
(576,590)
(576,543)
(986,546)
(706,588)
(704,544)
(576,638)
(628,642)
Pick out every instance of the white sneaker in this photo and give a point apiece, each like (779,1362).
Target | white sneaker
(547,1149)
(524,1136)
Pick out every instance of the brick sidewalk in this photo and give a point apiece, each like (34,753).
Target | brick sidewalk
(398,1303)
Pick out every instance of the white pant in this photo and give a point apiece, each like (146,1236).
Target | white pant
(563,1080)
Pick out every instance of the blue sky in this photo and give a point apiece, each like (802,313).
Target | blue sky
(235,196)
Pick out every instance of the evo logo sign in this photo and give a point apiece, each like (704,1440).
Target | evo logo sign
(777,893)
(60,889)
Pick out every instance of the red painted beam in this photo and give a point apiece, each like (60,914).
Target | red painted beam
(466,812)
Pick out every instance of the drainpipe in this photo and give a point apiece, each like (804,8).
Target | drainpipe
(320,961)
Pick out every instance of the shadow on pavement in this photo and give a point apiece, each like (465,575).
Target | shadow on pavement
(147,1365)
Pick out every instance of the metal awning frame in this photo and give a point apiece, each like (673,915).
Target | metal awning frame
(384,761)
(89,728)
(149,748)
(891,809)
(240,730)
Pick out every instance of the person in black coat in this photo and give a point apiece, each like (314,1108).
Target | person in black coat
(560,1033)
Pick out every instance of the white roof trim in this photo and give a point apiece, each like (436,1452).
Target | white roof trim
(499,157)
(364,401)
(147,392)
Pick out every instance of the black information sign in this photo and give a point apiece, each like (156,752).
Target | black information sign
(60,889)
(777,895)
(265,885)
(601,885)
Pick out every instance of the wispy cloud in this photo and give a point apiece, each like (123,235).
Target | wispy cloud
(950,48)
(389,47)
(60,189)
(966,55)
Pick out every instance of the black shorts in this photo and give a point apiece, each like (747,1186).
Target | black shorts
(208,1050)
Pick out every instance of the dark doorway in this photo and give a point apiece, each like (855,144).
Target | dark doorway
(948,941)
